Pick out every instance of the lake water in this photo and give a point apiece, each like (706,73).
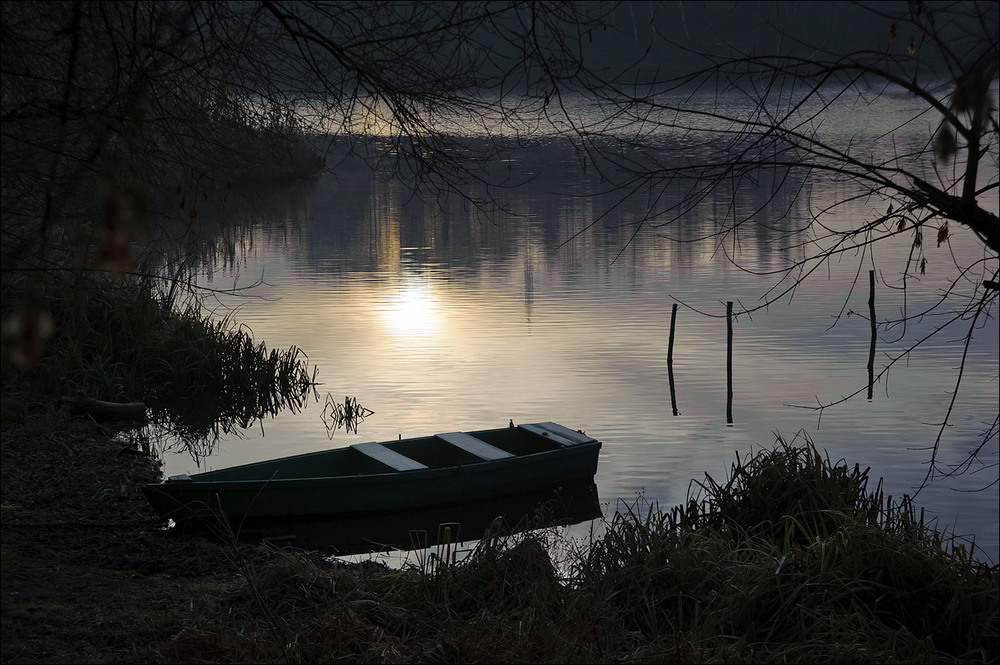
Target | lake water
(438,319)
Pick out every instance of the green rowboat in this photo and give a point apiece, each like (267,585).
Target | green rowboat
(370,478)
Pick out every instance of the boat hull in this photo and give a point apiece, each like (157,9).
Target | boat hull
(214,494)
(568,503)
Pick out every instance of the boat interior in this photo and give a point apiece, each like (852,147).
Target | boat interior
(437,451)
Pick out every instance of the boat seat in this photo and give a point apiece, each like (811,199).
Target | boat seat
(397,461)
(561,435)
(471,444)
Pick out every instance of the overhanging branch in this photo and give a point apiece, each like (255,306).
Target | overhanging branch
(983,223)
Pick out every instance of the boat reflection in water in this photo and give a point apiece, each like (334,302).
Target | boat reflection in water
(561,505)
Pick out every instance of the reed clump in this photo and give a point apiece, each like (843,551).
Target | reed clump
(795,558)
(125,338)
(792,559)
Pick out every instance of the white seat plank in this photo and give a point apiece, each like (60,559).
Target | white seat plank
(377,451)
(471,444)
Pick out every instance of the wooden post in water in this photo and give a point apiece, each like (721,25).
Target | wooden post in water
(729,362)
(871,315)
(670,359)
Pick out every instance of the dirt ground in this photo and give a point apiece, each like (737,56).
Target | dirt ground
(88,573)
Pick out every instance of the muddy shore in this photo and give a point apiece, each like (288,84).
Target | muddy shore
(88,573)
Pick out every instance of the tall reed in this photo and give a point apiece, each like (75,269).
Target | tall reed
(124,338)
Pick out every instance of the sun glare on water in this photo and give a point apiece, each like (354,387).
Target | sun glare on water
(413,310)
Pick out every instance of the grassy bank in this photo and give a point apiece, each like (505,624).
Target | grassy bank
(793,559)
(125,338)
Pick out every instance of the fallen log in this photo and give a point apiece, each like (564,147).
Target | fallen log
(106,411)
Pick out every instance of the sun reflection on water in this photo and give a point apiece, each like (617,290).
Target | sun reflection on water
(413,310)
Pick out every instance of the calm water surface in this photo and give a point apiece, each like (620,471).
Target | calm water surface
(438,320)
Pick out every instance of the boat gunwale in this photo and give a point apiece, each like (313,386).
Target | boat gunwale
(517,460)
(185,480)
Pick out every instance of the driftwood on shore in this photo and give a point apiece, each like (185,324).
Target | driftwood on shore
(106,411)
